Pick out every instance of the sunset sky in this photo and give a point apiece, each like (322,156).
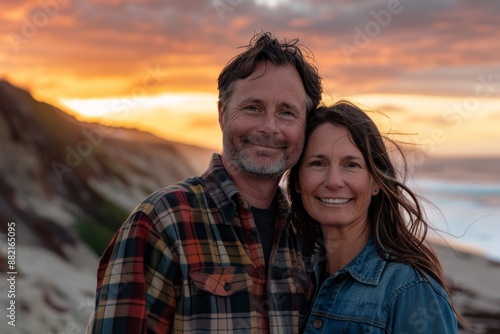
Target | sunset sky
(433,66)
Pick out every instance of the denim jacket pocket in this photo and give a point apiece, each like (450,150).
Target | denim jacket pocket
(221,281)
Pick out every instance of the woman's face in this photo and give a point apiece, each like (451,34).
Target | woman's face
(334,183)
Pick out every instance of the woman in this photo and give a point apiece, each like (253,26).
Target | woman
(373,271)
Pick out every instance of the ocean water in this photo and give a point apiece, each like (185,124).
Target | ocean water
(467,210)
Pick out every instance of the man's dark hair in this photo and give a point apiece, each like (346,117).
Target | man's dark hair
(263,47)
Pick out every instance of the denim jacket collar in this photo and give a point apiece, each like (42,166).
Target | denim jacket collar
(366,267)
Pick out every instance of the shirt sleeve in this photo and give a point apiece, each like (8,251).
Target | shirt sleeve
(135,285)
(423,309)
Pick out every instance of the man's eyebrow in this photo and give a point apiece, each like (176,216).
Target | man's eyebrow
(251,100)
(257,100)
(289,106)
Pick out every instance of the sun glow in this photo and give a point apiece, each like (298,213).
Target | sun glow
(431,123)
(272,3)
(116,107)
(185,117)
(440,126)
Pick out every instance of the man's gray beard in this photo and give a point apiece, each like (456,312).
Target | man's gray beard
(266,172)
(245,164)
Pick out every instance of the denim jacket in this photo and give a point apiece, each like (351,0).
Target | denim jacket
(375,295)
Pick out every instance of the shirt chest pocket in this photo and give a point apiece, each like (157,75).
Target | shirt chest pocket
(214,294)
(220,281)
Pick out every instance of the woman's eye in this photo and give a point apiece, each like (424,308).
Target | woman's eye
(316,163)
(353,165)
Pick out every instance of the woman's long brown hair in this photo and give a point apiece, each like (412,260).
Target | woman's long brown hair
(397,218)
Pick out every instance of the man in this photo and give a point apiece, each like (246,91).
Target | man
(216,253)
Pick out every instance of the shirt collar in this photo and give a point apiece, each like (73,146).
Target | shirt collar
(227,196)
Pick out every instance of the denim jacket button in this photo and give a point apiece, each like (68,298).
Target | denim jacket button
(318,323)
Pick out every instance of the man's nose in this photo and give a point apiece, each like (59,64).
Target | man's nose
(269,123)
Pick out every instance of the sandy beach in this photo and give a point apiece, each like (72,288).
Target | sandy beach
(475,282)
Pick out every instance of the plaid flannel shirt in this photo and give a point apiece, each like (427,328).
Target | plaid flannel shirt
(189,259)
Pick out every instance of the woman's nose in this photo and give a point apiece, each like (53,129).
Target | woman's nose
(334,178)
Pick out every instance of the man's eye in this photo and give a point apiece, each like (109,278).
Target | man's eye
(287,113)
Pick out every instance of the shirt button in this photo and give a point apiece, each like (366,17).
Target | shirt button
(227,286)
(253,237)
(318,323)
